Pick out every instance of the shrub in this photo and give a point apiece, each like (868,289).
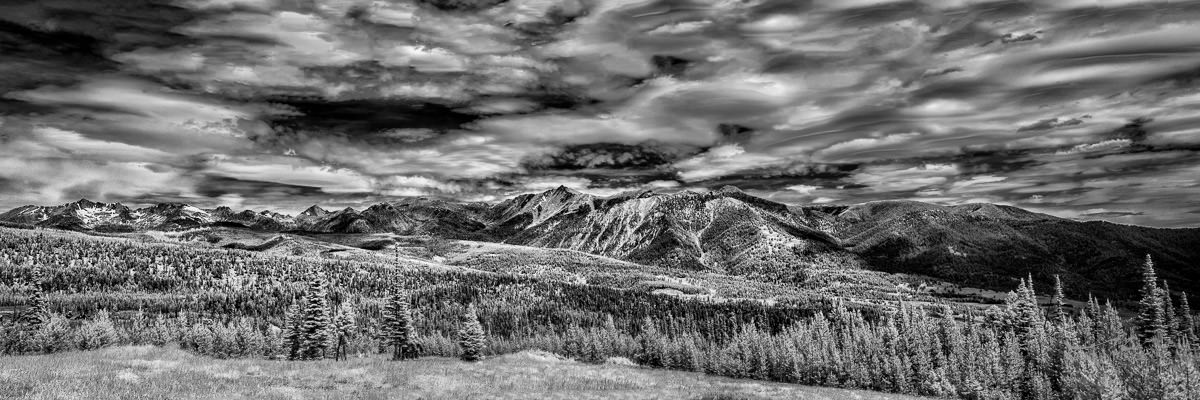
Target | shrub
(54,334)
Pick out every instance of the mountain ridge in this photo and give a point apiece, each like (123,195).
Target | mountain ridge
(318,211)
(725,231)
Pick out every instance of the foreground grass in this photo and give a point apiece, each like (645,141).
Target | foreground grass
(146,372)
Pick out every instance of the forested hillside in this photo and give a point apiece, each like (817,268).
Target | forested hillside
(988,246)
(66,291)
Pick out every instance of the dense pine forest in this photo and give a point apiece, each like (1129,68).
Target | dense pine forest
(64,292)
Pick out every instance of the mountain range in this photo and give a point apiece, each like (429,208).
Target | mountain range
(727,231)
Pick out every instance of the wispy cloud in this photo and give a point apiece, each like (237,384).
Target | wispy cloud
(1049,105)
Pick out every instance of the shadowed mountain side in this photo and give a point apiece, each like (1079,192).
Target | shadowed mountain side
(408,216)
(985,245)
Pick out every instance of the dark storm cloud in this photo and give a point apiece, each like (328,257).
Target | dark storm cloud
(766,178)
(366,118)
(1134,131)
(1186,78)
(670,65)
(48,57)
(217,186)
(63,42)
(255,102)
(461,5)
(110,26)
(648,156)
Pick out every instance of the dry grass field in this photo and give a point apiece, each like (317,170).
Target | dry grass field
(146,372)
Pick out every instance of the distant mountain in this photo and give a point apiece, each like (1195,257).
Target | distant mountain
(264,221)
(86,215)
(77,215)
(728,231)
(411,216)
(724,231)
(530,210)
(313,212)
(173,216)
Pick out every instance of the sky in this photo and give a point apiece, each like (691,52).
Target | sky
(1080,109)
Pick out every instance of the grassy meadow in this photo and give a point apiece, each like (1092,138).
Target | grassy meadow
(148,372)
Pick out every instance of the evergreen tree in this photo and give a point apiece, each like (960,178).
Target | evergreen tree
(1026,314)
(1058,312)
(249,339)
(97,332)
(343,327)
(314,335)
(1011,302)
(36,313)
(953,341)
(1093,306)
(470,336)
(1096,315)
(1112,332)
(293,328)
(995,317)
(1170,322)
(650,343)
(1033,341)
(398,330)
(1149,322)
(1186,321)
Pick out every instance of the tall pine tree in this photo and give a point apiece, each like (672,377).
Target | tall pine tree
(314,335)
(1186,322)
(398,329)
(1058,312)
(470,336)
(37,313)
(1093,306)
(293,330)
(1149,322)
(1170,322)
(343,327)
(1027,317)
(1112,332)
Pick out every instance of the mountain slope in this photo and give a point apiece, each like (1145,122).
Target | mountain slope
(86,215)
(80,215)
(413,216)
(266,220)
(724,231)
(988,246)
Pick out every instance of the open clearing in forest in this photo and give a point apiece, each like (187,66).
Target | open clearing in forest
(147,372)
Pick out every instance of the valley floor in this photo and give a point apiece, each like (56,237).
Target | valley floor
(146,372)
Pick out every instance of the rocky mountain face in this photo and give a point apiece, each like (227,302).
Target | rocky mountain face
(265,220)
(724,231)
(414,216)
(89,215)
(728,231)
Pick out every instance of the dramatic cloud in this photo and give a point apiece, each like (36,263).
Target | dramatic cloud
(1081,109)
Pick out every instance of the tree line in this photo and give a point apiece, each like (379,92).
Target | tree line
(1016,350)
